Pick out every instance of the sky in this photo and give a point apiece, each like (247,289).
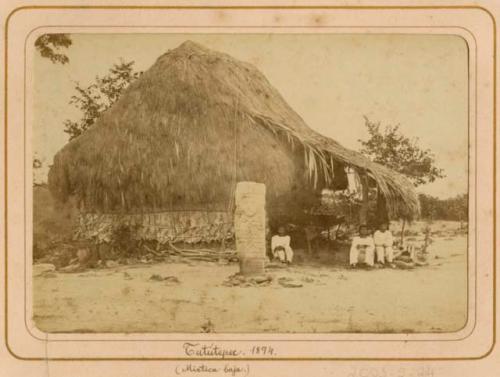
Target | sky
(331,80)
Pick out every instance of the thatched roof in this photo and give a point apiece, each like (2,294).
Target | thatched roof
(193,125)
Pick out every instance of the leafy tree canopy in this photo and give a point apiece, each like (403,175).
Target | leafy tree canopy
(455,208)
(49,46)
(96,98)
(391,148)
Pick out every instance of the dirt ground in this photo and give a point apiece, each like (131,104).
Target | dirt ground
(332,298)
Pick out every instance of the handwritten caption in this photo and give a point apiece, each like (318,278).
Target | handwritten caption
(228,369)
(214,351)
(233,368)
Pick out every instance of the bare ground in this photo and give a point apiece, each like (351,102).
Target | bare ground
(331,299)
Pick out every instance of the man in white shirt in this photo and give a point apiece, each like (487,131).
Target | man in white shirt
(280,246)
(362,243)
(383,244)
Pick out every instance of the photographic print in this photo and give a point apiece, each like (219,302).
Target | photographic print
(250,183)
(232,189)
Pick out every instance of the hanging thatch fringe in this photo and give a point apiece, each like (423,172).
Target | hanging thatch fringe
(400,195)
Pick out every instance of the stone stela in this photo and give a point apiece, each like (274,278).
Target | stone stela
(250,226)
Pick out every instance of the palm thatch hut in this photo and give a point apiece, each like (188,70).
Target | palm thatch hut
(168,154)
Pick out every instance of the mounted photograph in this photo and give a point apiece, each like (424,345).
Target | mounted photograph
(249,183)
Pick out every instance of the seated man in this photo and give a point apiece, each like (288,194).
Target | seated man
(280,246)
(383,244)
(362,243)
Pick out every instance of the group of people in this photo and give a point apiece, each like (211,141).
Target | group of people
(376,248)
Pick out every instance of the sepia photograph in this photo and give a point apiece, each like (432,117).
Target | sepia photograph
(249,183)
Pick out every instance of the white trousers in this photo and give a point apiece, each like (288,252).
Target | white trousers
(369,257)
(384,253)
(285,255)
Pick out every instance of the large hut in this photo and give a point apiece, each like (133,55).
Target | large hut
(168,154)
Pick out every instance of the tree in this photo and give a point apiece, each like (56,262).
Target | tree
(454,209)
(49,46)
(96,98)
(391,148)
(429,207)
(459,209)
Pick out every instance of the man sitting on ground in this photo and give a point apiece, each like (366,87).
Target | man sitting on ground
(280,246)
(362,243)
(383,244)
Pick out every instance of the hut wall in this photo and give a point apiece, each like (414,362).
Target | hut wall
(179,226)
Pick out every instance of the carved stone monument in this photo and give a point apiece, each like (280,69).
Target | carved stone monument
(250,226)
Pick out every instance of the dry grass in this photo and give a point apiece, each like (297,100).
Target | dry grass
(193,125)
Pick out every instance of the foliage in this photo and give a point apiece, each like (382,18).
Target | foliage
(49,45)
(53,223)
(37,163)
(391,148)
(455,209)
(96,98)
(38,173)
(123,240)
(348,203)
